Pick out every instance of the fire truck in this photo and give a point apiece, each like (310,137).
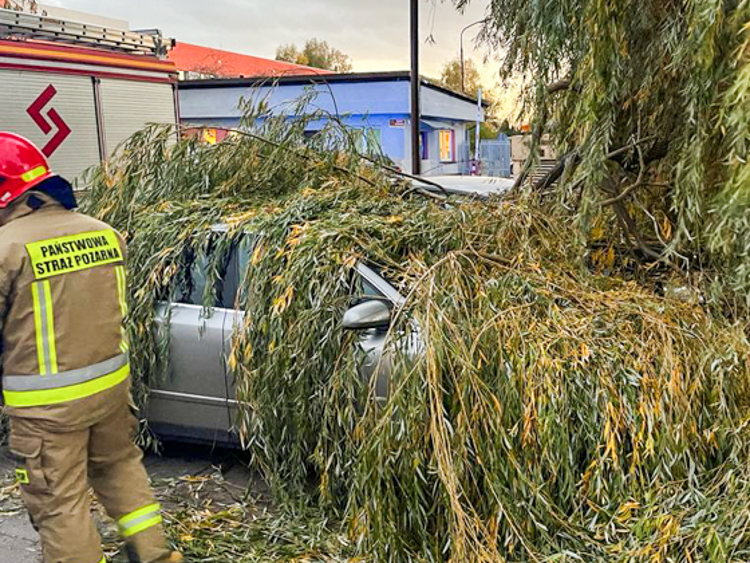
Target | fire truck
(79,90)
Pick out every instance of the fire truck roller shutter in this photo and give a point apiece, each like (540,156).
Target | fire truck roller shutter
(127,106)
(56,112)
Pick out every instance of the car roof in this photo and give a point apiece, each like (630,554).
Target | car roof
(470,186)
(476,186)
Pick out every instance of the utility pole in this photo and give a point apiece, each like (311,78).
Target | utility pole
(416,149)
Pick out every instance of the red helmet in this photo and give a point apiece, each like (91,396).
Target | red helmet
(22,166)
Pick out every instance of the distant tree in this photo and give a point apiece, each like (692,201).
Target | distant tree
(289,53)
(450,76)
(316,53)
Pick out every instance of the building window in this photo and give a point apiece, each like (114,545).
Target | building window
(366,138)
(424,145)
(373,138)
(447,145)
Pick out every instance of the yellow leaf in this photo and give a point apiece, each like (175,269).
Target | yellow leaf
(610,259)
(666,228)
(597,232)
(257,255)
(585,352)
(298,229)
(282,302)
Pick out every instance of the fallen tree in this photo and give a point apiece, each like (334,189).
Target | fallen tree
(554,413)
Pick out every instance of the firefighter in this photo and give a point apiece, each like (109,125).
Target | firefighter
(65,371)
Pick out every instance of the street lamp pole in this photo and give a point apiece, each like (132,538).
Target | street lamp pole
(461,53)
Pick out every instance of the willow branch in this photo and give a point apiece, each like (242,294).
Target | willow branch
(638,183)
(558,86)
(341,169)
(632,229)
(569,159)
(622,150)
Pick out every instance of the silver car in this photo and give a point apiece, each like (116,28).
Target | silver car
(197,400)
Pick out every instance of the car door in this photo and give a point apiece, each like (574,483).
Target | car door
(192,404)
(198,400)
(234,319)
(372,341)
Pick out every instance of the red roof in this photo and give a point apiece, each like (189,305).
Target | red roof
(225,64)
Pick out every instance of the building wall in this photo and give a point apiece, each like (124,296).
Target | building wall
(395,140)
(520,146)
(377,97)
(340,98)
(433,165)
(387,106)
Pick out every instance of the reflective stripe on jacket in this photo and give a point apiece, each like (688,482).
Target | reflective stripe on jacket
(62,303)
(44,390)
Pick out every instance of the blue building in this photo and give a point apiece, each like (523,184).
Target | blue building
(376,103)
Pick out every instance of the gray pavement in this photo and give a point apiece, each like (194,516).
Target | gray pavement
(19,542)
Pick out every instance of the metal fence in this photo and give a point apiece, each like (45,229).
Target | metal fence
(464,159)
(495,156)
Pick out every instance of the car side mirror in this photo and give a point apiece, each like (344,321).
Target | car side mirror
(370,314)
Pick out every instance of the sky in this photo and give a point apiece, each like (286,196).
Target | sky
(374,33)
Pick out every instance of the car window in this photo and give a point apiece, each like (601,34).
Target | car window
(192,291)
(230,277)
(242,255)
(369,290)
(244,252)
(193,288)
(376,285)
(238,259)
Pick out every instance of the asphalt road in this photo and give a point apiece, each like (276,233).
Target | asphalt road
(19,543)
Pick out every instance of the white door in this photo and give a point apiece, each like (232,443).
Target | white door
(56,112)
(128,106)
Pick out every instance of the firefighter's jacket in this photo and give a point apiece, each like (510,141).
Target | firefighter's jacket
(62,303)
